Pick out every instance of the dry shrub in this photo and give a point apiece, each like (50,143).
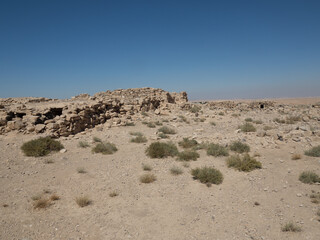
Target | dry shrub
(313,152)
(291,227)
(139,139)
(217,150)
(146,167)
(83,144)
(41,203)
(244,163)
(54,197)
(188,155)
(239,147)
(309,177)
(83,201)
(176,170)
(41,147)
(148,178)
(247,127)
(207,175)
(188,143)
(105,148)
(167,130)
(161,150)
(296,156)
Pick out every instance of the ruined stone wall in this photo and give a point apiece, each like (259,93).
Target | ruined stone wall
(71,116)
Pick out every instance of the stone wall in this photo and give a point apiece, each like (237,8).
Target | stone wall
(70,116)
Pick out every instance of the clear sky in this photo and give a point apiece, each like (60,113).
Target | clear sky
(211,49)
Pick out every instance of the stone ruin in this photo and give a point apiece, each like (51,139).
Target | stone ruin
(58,117)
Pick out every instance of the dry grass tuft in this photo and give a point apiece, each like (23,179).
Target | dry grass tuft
(291,227)
(146,167)
(245,163)
(105,148)
(113,194)
(176,170)
(247,127)
(167,130)
(217,150)
(161,150)
(54,197)
(188,143)
(81,170)
(41,203)
(313,152)
(309,177)
(83,201)
(148,178)
(296,156)
(139,139)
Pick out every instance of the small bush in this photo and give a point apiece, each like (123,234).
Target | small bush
(83,201)
(235,115)
(313,152)
(291,227)
(146,167)
(248,120)
(130,124)
(151,125)
(200,146)
(41,147)
(239,147)
(315,197)
(309,177)
(247,127)
(292,119)
(187,143)
(278,120)
(257,122)
(176,171)
(158,123)
(41,203)
(48,161)
(144,114)
(136,134)
(54,197)
(207,175)
(83,144)
(183,119)
(188,155)
(36,197)
(221,113)
(167,130)
(81,170)
(96,139)
(113,194)
(139,139)
(162,135)
(245,164)
(296,156)
(105,148)
(161,150)
(217,150)
(148,178)
(185,164)
(266,128)
(213,123)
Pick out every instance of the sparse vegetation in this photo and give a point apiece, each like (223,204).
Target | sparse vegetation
(291,227)
(257,122)
(266,128)
(162,135)
(83,144)
(137,134)
(81,170)
(54,197)
(139,139)
(148,178)
(113,194)
(221,113)
(278,120)
(188,155)
(188,143)
(185,164)
(144,114)
(41,203)
(176,170)
(105,148)
(183,119)
(213,123)
(296,156)
(158,123)
(161,150)
(41,147)
(244,163)
(195,109)
(207,175)
(247,127)
(83,201)
(309,177)
(315,197)
(217,150)
(48,161)
(151,125)
(167,130)
(146,167)
(96,140)
(130,124)
(239,147)
(292,119)
(313,152)
(248,120)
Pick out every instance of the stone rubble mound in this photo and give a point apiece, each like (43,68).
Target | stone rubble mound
(58,117)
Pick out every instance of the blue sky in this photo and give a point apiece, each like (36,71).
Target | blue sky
(211,49)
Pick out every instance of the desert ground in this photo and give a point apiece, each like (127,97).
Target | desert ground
(246,205)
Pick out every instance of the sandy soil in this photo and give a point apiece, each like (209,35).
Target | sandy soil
(172,207)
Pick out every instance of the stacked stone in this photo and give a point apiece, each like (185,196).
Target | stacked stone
(71,116)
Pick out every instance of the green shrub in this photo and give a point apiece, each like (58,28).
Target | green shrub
(130,124)
(148,178)
(162,135)
(139,139)
(207,175)
(188,155)
(258,122)
(221,113)
(315,197)
(158,123)
(187,143)
(213,123)
(137,134)
(151,125)
(161,150)
(41,147)
(291,227)
(167,130)
(248,120)
(96,139)
(83,144)
(105,148)
(183,119)
(176,170)
(217,150)
(247,127)
(239,147)
(313,152)
(245,163)
(309,177)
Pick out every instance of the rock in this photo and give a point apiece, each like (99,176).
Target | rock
(40,128)
(63,150)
